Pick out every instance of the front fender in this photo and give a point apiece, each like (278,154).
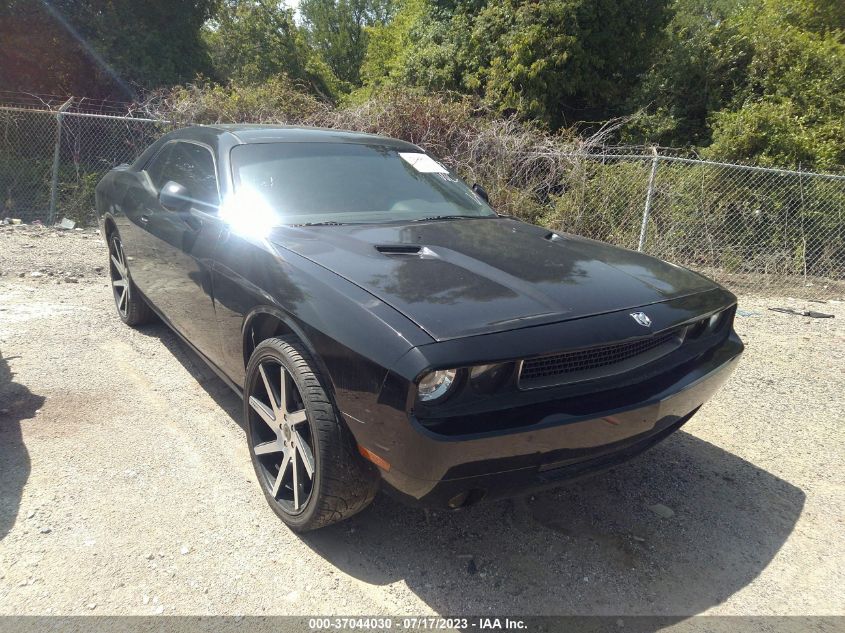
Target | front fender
(287,325)
(352,335)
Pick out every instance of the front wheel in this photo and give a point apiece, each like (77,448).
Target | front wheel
(303,454)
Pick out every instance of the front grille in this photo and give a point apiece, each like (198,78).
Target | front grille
(596,362)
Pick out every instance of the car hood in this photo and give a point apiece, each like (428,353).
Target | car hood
(466,277)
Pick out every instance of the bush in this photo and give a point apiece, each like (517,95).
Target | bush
(520,164)
(702,215)
(278,100)
(76,196)
(24,187)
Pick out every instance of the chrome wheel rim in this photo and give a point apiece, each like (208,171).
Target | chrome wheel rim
(281,437)
(119,277)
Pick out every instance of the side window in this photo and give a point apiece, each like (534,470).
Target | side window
(192,166)
(156,165)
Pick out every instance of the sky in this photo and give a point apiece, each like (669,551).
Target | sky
(293,4)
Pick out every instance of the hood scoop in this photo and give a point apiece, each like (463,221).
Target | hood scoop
(398,249)
(405,250)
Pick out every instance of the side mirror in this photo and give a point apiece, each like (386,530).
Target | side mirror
(479,191)
(174,197)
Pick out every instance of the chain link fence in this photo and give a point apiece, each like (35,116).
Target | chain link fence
(754,229)
(51,161)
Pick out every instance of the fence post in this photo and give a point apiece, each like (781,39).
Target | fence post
(803,214)
(54,186)
(648,196)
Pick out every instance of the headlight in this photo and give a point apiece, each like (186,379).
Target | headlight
(715,321)
(436,384)
(707,324)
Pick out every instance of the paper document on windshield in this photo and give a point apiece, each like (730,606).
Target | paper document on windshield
(423,163)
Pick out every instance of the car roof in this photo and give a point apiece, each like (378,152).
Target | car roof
(256,133)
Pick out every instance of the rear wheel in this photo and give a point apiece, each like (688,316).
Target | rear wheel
(303,454)
(131,306)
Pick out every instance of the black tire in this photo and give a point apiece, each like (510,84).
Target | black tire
(341,482)
(131,307)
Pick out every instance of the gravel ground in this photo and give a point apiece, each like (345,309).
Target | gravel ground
(126,486)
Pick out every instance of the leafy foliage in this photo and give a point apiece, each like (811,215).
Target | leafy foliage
(276,100)
(791,108)
(388,44)
(337,31)
(762,81)
(101,48)
(699,71)
(755,80)
(253,41)
(558,61)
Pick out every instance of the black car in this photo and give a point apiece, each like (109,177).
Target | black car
(384,326)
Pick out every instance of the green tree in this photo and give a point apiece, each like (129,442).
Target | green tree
(387,44)
(791,107)
(337,31)
(558,61)
(101,48)
(699,67)
(756,80)
(252,41)
(565,60)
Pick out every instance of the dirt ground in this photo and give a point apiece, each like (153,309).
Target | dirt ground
(126,486)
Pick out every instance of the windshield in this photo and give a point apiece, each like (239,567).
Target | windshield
(306,183)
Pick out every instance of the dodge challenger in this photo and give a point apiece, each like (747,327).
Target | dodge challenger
(386,328)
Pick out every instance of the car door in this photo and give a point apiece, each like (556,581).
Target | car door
(139,203)
(184,238)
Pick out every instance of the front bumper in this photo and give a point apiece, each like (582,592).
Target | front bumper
(435,469)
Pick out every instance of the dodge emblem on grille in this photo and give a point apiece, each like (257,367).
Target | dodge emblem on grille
(641,318)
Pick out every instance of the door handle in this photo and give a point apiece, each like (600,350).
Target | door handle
(144,219)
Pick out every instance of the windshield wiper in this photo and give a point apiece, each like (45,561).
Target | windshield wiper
(329,223)
(445,217)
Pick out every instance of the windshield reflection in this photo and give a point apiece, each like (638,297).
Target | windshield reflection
(352,183)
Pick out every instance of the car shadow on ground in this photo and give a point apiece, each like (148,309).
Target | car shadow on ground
(213,385)
(595,546)
(17,403)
